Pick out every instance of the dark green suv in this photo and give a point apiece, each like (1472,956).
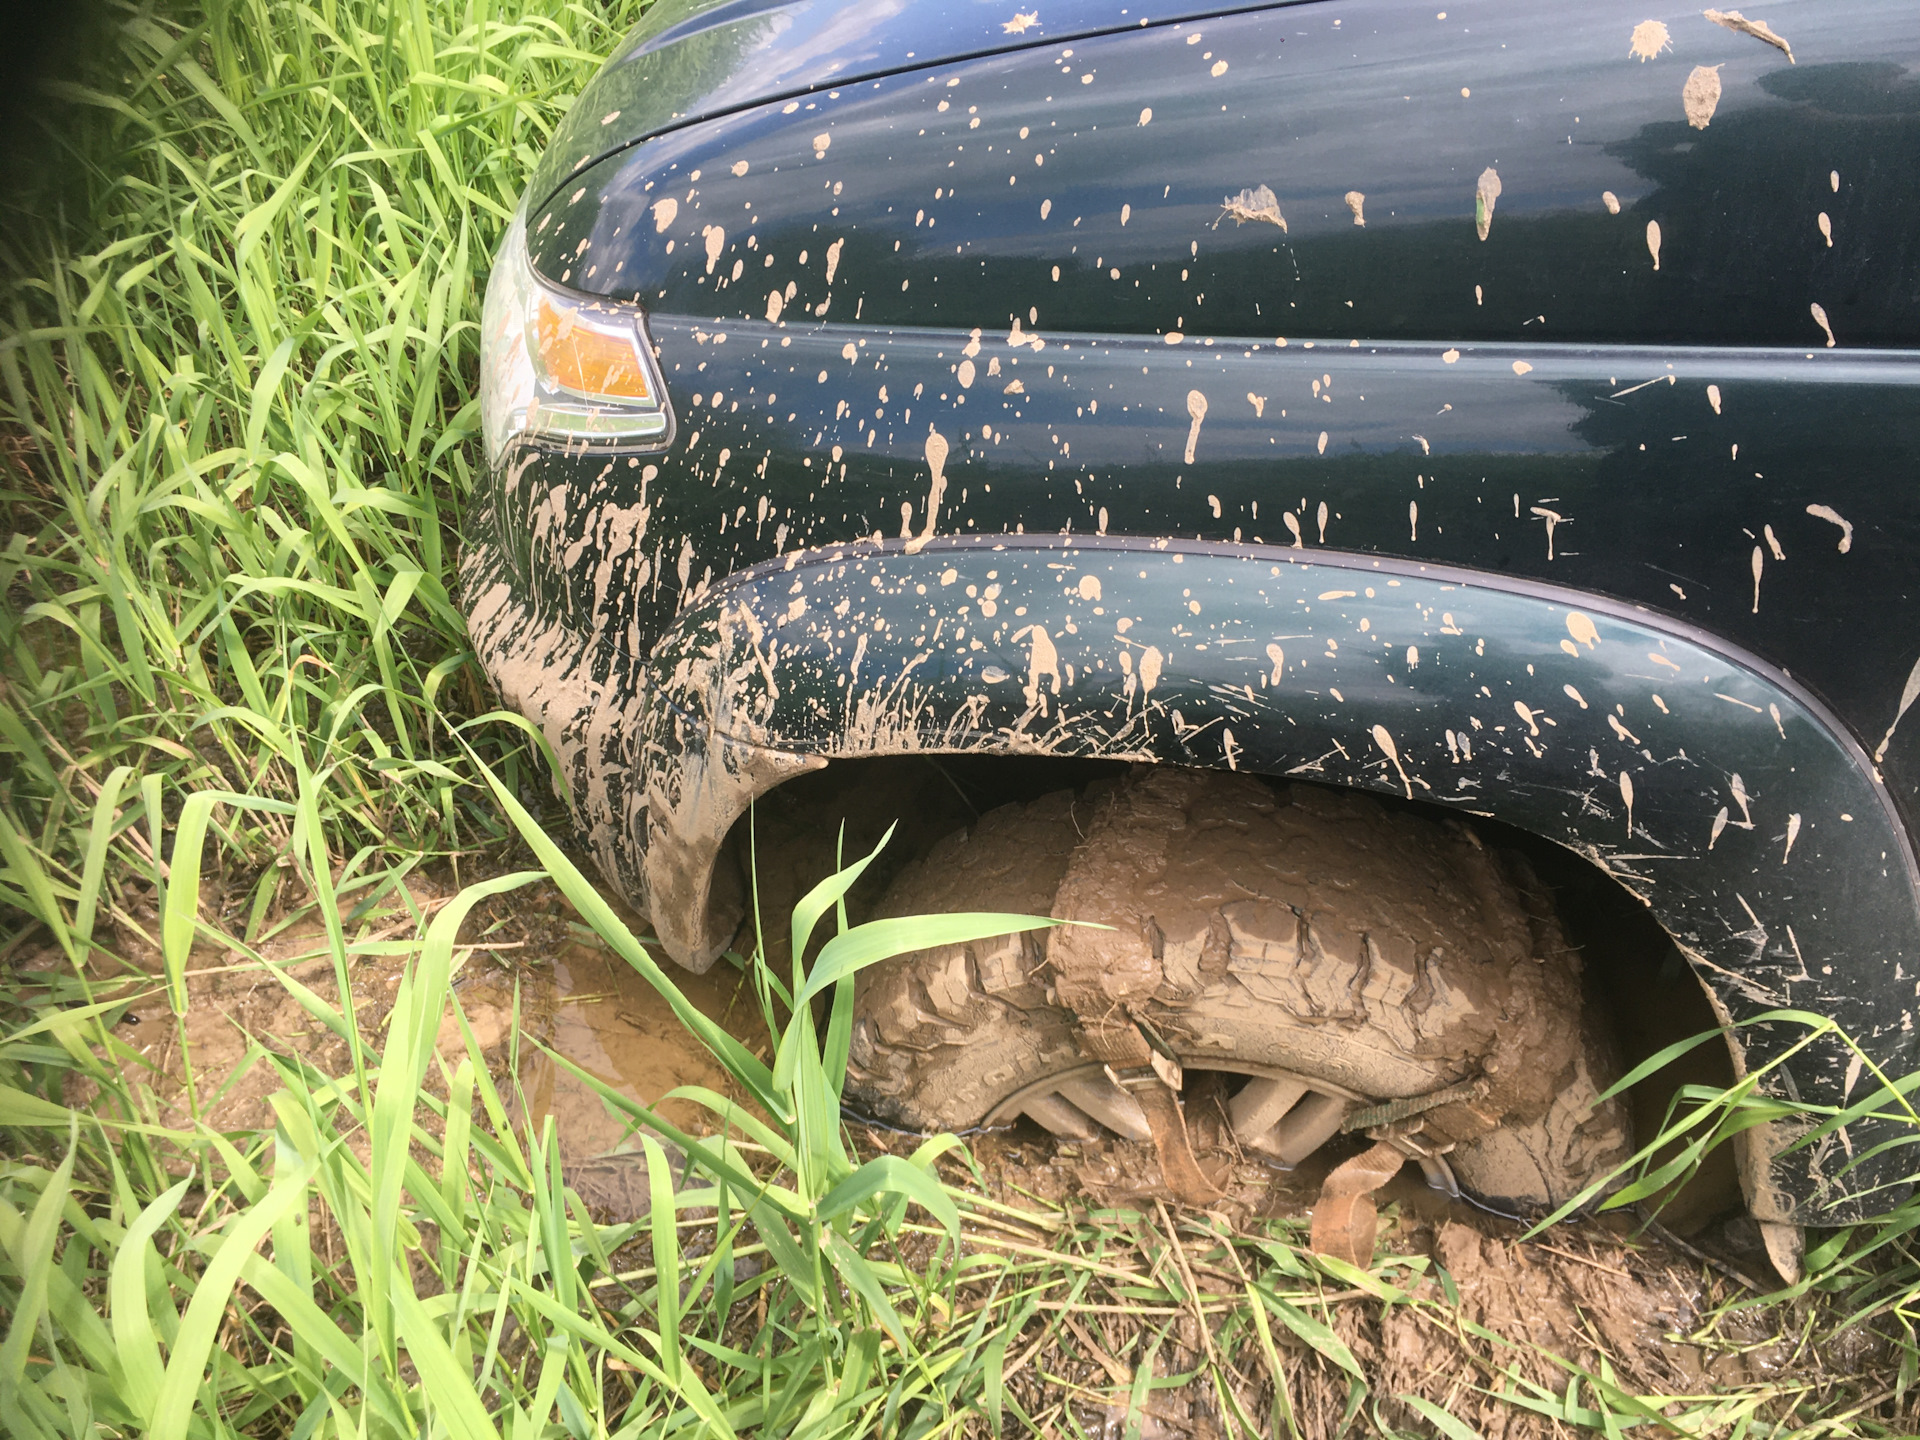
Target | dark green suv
(1506,408)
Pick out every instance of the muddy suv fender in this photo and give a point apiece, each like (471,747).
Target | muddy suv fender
(1705,782)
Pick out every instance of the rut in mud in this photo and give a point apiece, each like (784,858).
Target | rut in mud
(532,974)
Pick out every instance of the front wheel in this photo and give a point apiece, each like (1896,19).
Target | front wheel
(1352,968)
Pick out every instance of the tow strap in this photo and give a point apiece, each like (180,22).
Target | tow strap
(1153,1077)
(1345,1218)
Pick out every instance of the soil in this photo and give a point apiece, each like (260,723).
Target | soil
(532,974)
(1587,1292)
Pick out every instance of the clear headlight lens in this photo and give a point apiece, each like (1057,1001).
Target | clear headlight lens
(578,369)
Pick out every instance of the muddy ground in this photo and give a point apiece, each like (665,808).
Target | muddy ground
(1583,1291)
(1653,1304)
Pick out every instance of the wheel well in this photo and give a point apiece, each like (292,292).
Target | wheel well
(1636,980)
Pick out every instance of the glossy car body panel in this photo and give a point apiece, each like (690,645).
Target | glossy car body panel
(1675,452)
(693,60)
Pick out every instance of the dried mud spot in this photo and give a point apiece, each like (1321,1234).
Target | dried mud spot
(1700,96)
(1259,203)
(1759,29)
(1649,38)
(1486,192)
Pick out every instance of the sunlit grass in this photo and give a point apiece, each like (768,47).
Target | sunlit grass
(239,400)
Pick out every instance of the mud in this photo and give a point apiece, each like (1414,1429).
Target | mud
(1587,1292)
(1759,29)
(239,1013)
(1319,935)
(530,978)
(590,1006)
(529,973)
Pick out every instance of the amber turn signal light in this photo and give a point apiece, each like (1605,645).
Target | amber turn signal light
(597,362)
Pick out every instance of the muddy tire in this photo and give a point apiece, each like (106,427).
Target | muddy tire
(1337,954)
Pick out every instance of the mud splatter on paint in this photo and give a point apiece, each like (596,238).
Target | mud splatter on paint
(1819,313)
(1653,241)
(1197,410)
(1649,38)
(1700,96)
(1580,627)
(1043,663)
(833,259)
(1392,752)
(937,450)
(1553,519)
(1713,398)
(1759,564)
(1020,23)
(1626,794)
(1908,695)
(1832,517)
(1759,29)
(664,212)
(1521,367)
(1150,662)
(1357,203)
(1259,203)
(1611,201)
(1826,228)
(1486,192)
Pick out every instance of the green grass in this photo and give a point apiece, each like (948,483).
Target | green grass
(239,392)
(237,420)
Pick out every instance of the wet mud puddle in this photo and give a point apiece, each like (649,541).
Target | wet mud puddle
(594,1009)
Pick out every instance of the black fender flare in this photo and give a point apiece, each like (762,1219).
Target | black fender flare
(1715,789)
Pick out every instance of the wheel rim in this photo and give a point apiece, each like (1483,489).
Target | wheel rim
(1283,1116)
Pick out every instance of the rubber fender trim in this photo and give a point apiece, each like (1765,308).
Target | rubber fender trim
(1720,793)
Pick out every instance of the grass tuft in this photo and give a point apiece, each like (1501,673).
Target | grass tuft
(238,414)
